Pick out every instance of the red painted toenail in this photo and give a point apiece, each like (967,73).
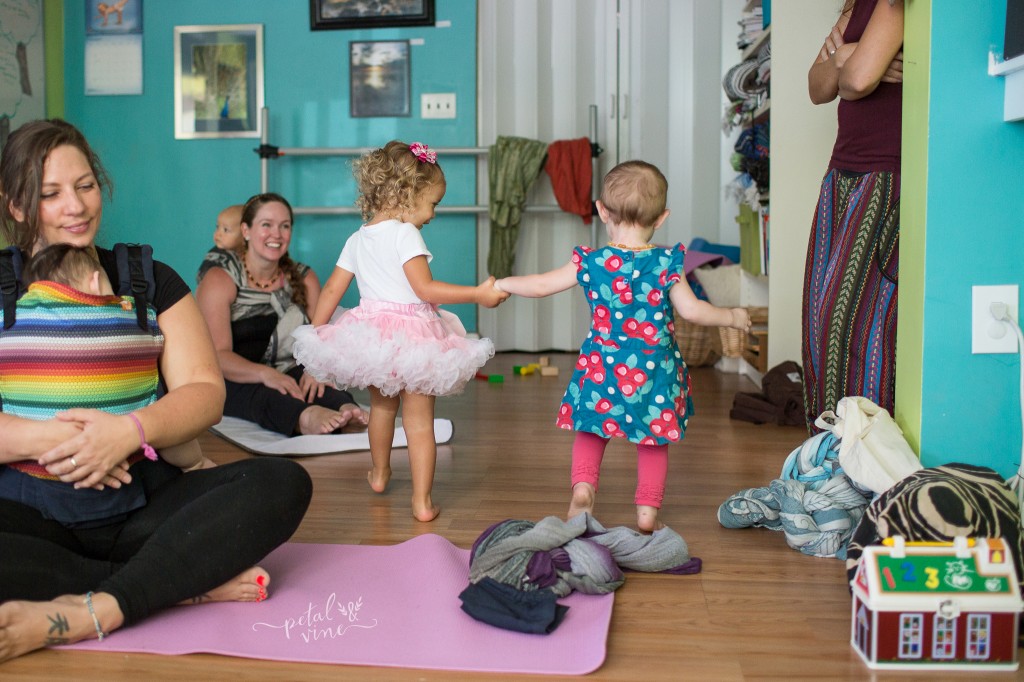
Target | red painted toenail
(260,580)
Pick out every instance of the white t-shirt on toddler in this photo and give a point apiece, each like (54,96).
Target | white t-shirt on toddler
(375,255)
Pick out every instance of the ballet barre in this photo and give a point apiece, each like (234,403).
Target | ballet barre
(268,152)
(466,210)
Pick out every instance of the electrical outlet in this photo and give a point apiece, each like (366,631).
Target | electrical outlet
(437,105)
(989,335)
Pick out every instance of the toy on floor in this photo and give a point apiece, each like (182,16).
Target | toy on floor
(491,378)
(543,367)
(546,368)
(936,606)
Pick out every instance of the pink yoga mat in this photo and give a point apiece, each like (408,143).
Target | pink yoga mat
(392,606)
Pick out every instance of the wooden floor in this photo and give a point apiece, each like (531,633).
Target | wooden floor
(758,611)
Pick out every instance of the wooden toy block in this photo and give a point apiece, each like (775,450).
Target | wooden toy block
(548,371)
(544,361)
(496,379)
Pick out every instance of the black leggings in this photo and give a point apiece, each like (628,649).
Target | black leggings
(197,531)
(273,410)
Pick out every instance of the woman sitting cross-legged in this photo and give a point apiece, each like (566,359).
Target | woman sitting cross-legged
(252,302)
(97,532)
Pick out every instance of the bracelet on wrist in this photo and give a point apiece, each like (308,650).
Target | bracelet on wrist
(147,449)
(95,620)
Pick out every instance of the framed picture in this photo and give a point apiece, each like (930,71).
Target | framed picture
(337,14)
(378,75)
(117,16)
(218,81)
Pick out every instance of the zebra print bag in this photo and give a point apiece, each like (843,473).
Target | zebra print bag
(938,504)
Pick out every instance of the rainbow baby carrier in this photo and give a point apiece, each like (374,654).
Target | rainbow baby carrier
(134,278)
(26,481)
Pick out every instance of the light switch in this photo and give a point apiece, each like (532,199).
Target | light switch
(437,105)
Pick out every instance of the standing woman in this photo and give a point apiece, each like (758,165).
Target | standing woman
(850,281)
(184,537)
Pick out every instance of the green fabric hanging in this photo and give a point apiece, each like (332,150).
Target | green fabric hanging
(513,165)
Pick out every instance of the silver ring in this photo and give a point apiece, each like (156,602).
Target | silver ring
(831,53)
(74,464)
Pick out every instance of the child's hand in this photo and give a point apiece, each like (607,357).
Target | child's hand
(488,295)
(740,319)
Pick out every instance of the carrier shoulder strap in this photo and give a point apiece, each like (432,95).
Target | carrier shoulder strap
(135,276)
(11,288)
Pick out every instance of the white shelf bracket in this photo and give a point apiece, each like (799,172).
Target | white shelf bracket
(1013,71)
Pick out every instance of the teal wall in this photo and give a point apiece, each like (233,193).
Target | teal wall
(168,192)
(975,214)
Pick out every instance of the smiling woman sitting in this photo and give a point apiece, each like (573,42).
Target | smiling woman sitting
(97,531)
(252,302)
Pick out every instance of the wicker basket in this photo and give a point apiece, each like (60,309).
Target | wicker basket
(696,343)
(731,342)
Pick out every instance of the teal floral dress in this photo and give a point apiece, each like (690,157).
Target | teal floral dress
(630,380)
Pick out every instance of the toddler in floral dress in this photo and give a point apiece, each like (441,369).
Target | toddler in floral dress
(630,380)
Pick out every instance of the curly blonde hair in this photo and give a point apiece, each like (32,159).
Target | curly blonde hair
(390,178)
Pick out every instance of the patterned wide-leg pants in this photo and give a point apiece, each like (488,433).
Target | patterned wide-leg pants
(849,298)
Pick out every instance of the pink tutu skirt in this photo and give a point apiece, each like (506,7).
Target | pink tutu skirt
(394,347)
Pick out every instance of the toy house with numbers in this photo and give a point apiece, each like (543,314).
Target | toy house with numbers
(936,606)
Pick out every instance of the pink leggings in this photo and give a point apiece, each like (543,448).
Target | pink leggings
(651,467)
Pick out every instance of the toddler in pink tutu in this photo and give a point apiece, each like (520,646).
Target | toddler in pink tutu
(396,342)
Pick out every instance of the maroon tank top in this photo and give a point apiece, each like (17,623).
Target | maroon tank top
(869,128)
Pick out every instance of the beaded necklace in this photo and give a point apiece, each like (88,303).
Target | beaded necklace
(645,247)
(261,285)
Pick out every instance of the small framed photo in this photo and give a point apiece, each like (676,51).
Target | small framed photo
(218,81)
(340,14)
(379,78)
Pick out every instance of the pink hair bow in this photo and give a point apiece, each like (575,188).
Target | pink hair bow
(423,152)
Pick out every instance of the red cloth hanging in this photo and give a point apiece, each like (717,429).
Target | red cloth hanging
(571,170)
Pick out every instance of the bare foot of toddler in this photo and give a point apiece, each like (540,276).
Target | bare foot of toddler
(379,480)
(29,625)
(353,418)
(583,495)
(249,585)
(316,420)
(647,518)
(427,511)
